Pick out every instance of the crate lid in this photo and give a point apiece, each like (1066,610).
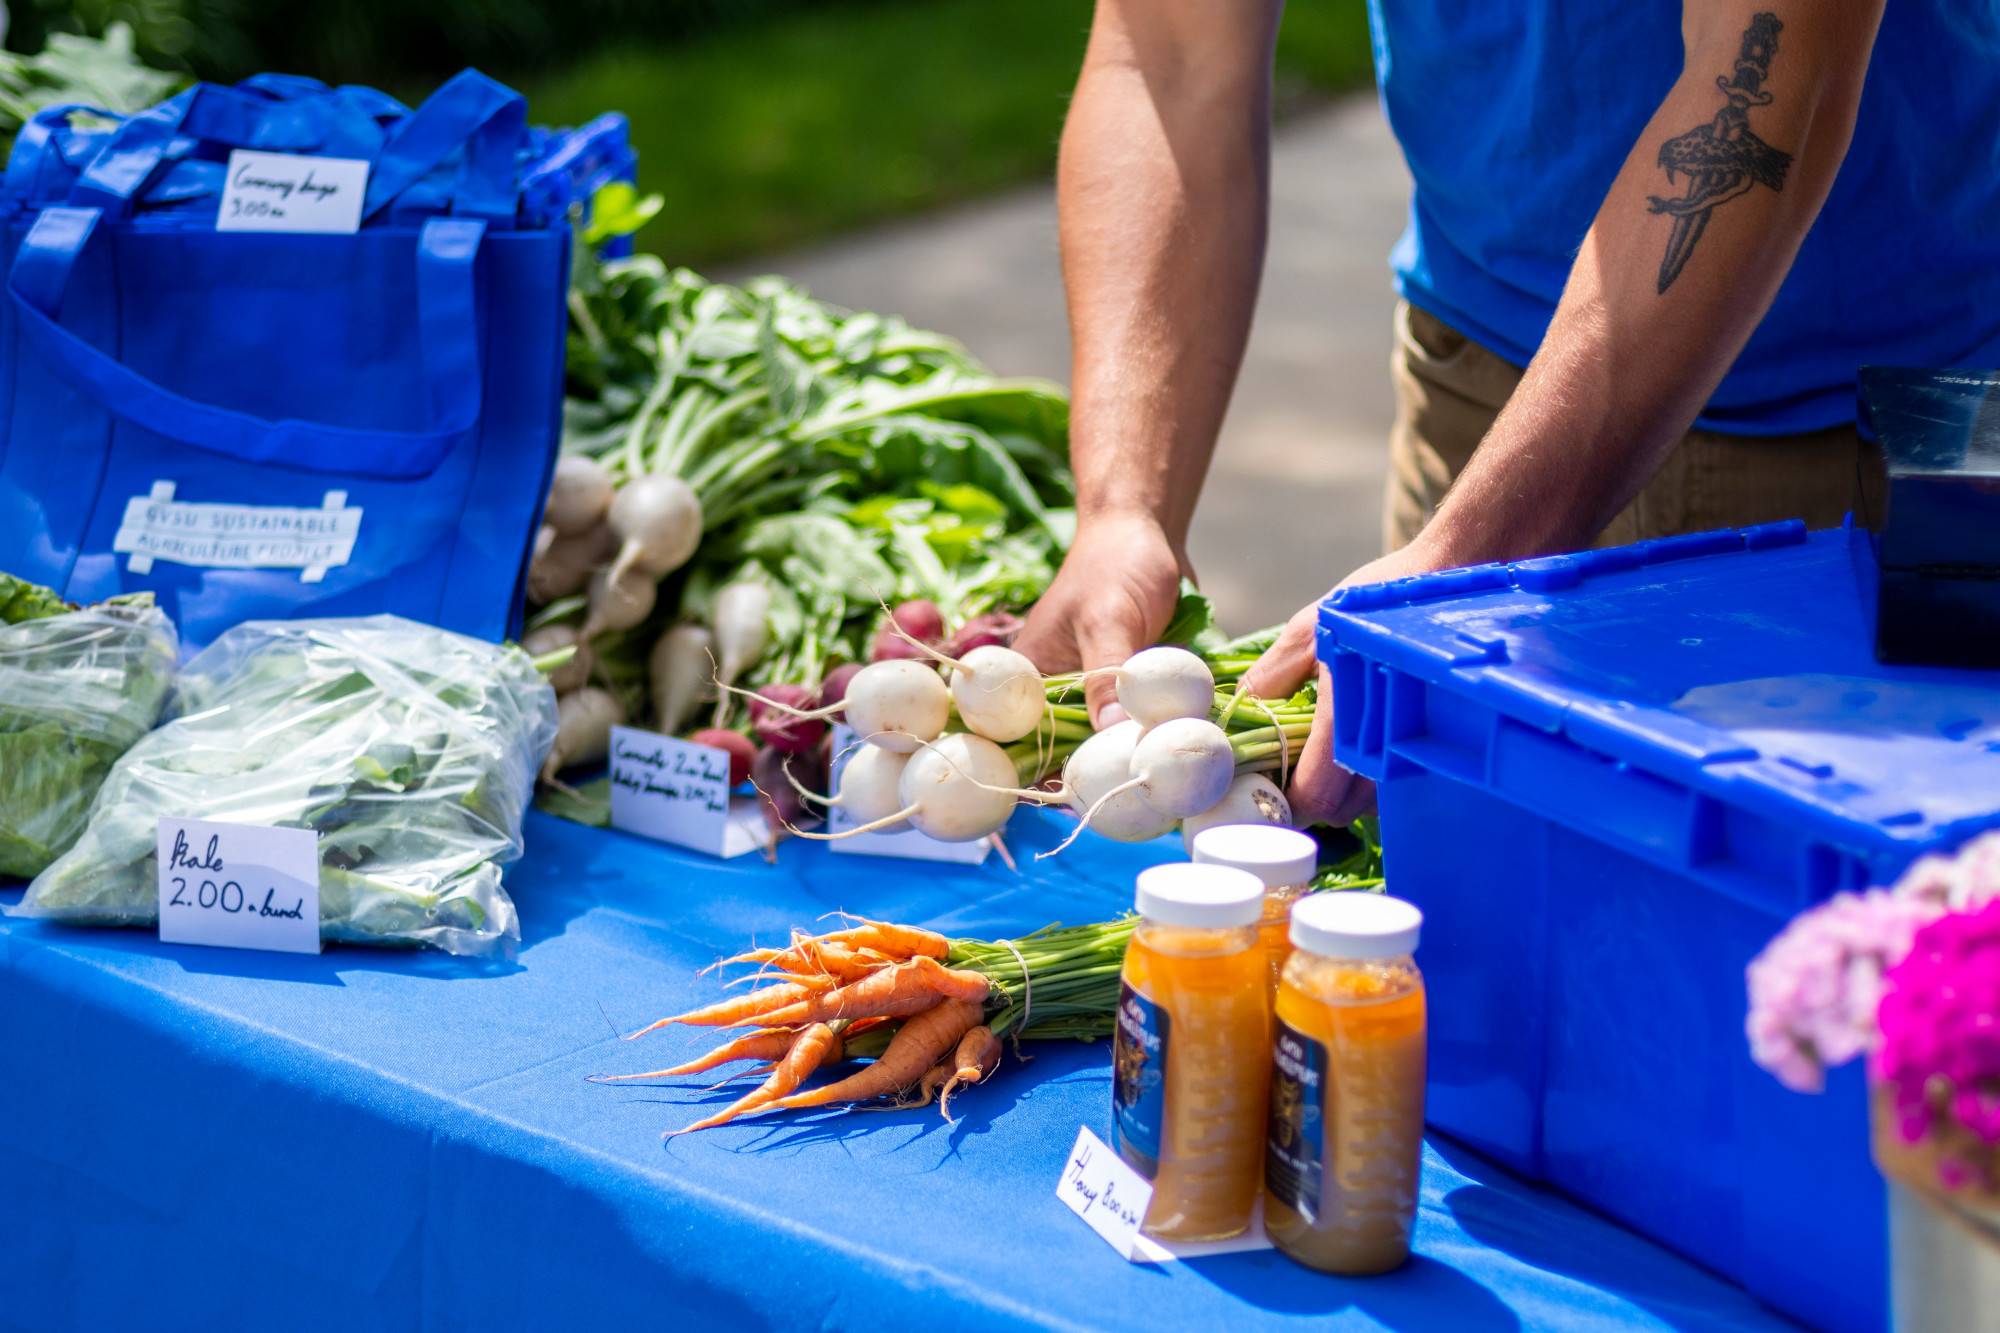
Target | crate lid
(1738,662)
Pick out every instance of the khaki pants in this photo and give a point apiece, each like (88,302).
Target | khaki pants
(1449,389)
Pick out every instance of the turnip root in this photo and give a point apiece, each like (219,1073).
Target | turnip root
(681,663)
(1252,798)
(584,721)
(579,495)
(618,600)
(742,630)
(735,744)
(1158,685)
(955,789)
(898,705)
(1183,766)
(562,567)
(571,675)
(870,784)
(780,727)
(999,693)
(657,520)
(1097,780)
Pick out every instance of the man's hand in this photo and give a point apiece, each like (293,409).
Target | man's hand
(1321,791)
(1113,596)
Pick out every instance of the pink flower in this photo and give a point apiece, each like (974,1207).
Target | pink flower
(1815,988)
(1939,1019)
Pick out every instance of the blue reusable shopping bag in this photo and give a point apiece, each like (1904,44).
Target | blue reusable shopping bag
(270,425)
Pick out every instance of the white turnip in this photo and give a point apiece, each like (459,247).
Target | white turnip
(657,520)
(1252,798)
(618,600)
(1158,685)
(898,705)
(999,693)
(954,789)
(579,495)
(571,675)
(742,629)
(584,720)
(1183,766)
(563,566)
(870,783)
(679,668)
(1097,781)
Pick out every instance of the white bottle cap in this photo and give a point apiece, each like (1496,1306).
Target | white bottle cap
(1355,924)
(1186,894)
(1277,855)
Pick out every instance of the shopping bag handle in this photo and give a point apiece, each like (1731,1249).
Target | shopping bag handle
(448,324)
(470,113)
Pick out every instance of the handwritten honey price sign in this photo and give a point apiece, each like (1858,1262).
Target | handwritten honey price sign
(240,886)
(676,791)
(292,192)
(1102,1189)
(906,843)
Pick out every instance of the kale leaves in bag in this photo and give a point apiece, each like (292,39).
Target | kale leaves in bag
(77,688)
(411,751)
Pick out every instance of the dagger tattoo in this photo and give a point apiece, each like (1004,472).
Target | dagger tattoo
(1721,159)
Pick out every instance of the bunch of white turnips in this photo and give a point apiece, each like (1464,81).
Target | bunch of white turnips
(1165,764)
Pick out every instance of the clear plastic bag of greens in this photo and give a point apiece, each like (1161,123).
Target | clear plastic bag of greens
(77,688)
(410,750)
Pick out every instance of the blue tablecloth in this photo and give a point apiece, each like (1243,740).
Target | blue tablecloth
(203,1138)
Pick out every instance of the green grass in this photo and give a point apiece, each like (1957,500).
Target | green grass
(768,135)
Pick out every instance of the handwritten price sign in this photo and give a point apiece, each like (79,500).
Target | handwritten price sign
(292,192)
(239,886)
(678,792)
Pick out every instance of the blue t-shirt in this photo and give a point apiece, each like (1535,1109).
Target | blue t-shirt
(1515,117)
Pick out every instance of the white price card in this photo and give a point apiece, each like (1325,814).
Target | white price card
(241,886)
(1100,1188)
(292,192)
(906,843)
(676,791)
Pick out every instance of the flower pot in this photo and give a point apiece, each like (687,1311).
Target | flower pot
(1944,1245)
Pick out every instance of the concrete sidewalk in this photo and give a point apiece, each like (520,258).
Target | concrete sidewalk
(1293,500)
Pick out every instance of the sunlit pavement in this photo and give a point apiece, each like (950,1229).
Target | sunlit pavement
(1294,498)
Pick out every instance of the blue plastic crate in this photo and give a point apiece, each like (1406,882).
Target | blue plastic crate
(1609,779)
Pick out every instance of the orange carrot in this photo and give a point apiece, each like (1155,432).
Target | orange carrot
(817,1045)
(885,993)
(742,1009)
(763,1044)
(916,1046)
(884,937)
(978,1055)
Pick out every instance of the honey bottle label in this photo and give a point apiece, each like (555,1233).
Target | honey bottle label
(1292,1153)
(1139,1080)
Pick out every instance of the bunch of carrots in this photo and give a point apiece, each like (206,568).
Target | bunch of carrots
(931,1012)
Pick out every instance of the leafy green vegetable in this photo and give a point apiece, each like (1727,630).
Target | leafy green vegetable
(841,458)
(104,73)
(77,688)
(410,750)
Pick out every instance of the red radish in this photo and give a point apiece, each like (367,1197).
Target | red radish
(741,751)
(833,689)
(920,619)
(994,629)
(784,781)
(889,646)
(780,727)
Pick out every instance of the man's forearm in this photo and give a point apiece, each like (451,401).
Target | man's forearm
(1671,280)
(1162,192)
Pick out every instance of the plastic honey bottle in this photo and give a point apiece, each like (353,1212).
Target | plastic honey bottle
(1283,859)
(1191,1051)
(1347,1086)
